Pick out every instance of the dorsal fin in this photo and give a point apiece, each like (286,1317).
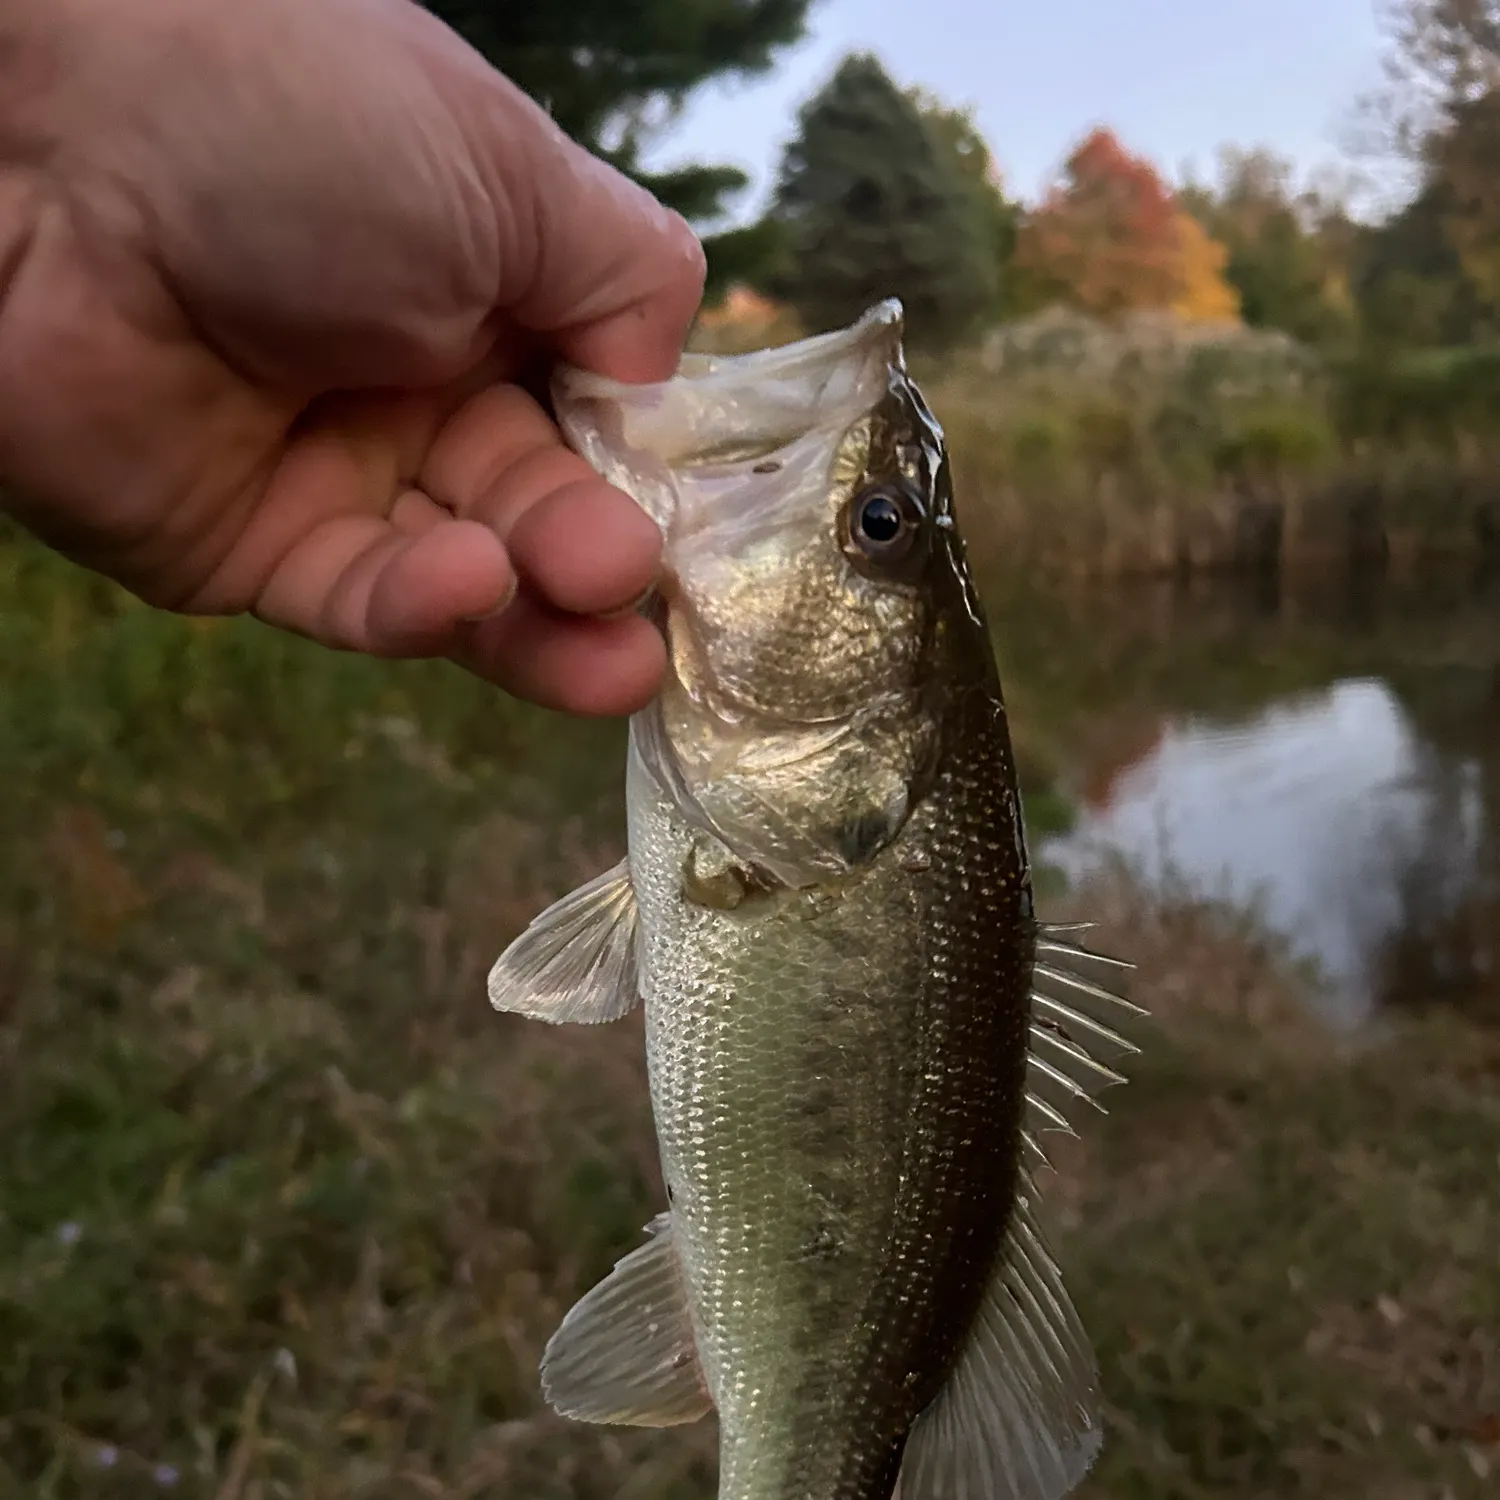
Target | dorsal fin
(1075,1038)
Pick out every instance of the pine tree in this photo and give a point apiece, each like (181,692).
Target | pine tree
(611,72)
(873,202)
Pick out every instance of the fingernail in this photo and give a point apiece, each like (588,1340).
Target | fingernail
(506,599)
(637,606)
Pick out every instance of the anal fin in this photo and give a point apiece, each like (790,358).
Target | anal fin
(625,1355)
(577,960)
(1019,1418)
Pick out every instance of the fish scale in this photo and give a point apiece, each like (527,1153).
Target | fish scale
(856,1032)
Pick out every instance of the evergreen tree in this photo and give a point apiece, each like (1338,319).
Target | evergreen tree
(874,202)
(1411,283)
(611,72)
(956,130)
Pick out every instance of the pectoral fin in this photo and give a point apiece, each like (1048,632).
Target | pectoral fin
(1019,1418)
(625,1355)
(577,960)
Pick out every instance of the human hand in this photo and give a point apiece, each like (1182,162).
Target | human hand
(269,276)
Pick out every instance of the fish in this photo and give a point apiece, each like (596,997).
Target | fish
(857,1032)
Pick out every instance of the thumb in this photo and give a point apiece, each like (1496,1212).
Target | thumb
(606,273)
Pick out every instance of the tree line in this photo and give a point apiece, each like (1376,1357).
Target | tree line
(883,189)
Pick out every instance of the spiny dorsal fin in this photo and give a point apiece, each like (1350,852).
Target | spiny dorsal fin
(1019,1417)
(625,1355)
(577,960)
(1074,1036)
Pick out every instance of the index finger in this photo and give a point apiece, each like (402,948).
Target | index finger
(575,541)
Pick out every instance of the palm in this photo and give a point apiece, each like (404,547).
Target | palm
(257,358)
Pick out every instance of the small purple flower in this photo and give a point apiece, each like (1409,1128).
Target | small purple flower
(107,1456)
(69,1233)
(165,1475)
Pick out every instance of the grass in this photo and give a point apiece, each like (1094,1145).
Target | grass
(288,1212)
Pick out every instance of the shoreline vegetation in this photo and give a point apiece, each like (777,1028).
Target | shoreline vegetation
(289,1212)
(1152,446)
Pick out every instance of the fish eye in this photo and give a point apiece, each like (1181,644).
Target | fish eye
(884,520)
(880,520)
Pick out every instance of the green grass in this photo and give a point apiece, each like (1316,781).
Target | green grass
(286,1209)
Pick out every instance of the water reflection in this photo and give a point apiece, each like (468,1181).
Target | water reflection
(1364,843)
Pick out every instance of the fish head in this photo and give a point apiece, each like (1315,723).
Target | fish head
(814,588)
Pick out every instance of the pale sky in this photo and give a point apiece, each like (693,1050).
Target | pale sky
(1174,78)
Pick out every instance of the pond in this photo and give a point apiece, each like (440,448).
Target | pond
(1329,758)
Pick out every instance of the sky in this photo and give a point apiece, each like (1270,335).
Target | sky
(1174,78)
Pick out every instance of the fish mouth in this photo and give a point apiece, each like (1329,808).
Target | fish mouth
(880,328)
(727,417)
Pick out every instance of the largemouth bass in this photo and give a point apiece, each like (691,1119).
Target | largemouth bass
(856,1029)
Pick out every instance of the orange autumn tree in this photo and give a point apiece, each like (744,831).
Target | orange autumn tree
(1204,294)
(1110,237)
